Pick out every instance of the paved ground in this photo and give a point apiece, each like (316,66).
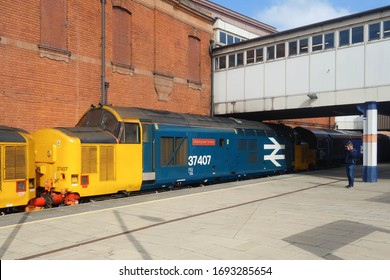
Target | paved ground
(305,216)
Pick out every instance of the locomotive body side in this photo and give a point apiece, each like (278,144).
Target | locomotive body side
(189,154)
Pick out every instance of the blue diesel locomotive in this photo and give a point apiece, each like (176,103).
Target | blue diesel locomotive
(184,149)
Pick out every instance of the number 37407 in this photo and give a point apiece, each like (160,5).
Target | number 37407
(199,160)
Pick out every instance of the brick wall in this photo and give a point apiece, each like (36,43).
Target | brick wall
(41,88)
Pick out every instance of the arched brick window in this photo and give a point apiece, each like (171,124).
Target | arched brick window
(194,60)
(121,36)
(54,24)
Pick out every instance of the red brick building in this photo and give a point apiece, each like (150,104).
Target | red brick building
(156,56)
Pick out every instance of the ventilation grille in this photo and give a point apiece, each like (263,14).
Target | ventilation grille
(89,160)
(15,162)
(107,170)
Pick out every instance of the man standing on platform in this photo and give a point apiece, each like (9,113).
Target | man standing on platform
(350,161)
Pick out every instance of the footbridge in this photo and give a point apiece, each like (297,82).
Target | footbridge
(338,67)
(324,69)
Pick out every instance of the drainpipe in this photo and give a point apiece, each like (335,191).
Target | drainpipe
(212,76)
(103,53)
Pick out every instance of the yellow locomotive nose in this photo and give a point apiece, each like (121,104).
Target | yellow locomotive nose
(17,176)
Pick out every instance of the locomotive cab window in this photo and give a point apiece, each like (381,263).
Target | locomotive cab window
(131,135)
(91,119)
(110,123)
(103,119)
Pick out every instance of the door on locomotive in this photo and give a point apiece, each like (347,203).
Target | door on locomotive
(148,154)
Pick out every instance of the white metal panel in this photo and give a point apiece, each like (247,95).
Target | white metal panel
(297,75)
(349,122)
(322,71)
(235,84)
(350,68)
(225,26)
(254,81)
(275,78)
(220,86)
(378,63)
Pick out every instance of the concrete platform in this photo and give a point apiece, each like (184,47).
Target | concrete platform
(304,216)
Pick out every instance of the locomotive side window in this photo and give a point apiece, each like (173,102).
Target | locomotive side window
(131,134)
(145,134)
(174,151)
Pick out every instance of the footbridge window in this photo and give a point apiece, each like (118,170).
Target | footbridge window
(345,36)
(292,48)
(357,34)
(303,46)
(329,40)
(317,43)
(386,29)
(374,31)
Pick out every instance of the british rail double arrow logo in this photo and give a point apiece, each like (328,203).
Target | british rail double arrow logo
(273,157)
